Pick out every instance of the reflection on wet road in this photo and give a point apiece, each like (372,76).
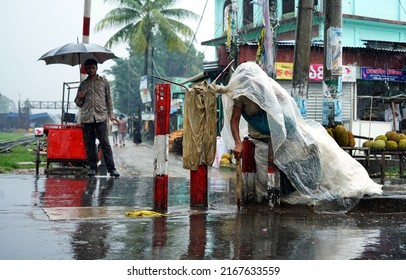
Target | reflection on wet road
(81,218)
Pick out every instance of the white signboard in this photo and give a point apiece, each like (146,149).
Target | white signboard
(145,96)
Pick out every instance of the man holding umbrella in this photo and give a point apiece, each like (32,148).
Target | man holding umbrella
(96,106)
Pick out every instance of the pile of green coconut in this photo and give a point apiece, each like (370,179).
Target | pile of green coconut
(342,136)
(391,141)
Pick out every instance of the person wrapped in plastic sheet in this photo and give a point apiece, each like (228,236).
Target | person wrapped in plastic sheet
(267,187)
(322,173)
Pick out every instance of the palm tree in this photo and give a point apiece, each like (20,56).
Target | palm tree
(140,20)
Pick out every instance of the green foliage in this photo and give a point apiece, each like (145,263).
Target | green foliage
(138,22)
(167,64)
(160,42)
(125,86)
(6,104)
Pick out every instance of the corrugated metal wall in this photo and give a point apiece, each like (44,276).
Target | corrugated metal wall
(315,99)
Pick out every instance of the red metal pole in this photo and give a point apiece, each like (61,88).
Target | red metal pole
(162,110)
(198,187)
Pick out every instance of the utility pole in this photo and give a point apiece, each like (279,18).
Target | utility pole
(232,32)
(301,65)
(152,78)
(19,111)
(129,86)
(273,20)
(267,42)
(332,66)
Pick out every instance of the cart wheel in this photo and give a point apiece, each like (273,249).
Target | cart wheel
(37,158)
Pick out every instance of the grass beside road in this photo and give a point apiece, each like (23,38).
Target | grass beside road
(12,159)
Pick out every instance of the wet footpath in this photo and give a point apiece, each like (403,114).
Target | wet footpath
(79,218)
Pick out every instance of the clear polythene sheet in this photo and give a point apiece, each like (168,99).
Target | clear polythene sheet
(323,173)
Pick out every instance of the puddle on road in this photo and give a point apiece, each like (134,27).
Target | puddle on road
(123,192)
(103,197)
(95,226)
(98,207)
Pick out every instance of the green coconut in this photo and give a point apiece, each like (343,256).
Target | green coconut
(351,139)
(330,132)
(402,144)
(341,135)
(379,144)
(368,144)
(402,136)
(391,145)
(392,136)
(381,137)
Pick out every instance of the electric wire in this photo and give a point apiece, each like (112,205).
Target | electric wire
(194,37)
(401,5)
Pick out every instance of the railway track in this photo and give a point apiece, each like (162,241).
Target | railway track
(7,145)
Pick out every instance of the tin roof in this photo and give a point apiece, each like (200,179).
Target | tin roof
(371,44)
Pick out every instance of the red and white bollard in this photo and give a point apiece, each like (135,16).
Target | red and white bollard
(161,146)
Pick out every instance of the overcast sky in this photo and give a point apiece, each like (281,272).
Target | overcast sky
(31,28)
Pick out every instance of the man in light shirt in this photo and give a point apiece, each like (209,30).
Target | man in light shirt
(389,113)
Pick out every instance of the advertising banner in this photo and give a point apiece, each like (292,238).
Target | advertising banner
(335,51)
(383,74)
(144,93)
(284,71)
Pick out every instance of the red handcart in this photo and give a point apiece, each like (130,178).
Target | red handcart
(65,146)
(64,142)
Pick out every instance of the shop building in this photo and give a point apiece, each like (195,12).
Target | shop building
(374,53)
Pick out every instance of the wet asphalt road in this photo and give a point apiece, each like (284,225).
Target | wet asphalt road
(67,218)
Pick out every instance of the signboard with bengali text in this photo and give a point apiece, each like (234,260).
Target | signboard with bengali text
(284,71)
(383,74)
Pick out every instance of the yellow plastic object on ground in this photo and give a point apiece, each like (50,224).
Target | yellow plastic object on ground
(144,213)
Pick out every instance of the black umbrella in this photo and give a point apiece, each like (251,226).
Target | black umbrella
(77,53)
